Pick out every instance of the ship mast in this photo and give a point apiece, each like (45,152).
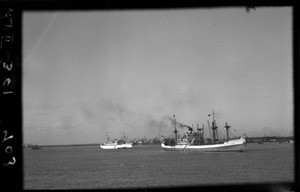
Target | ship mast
(214,128)
(209,128)
(175,131)
(203,132)
(198,132)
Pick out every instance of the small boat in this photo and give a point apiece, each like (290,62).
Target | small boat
(116,144)
(35,147)
(196,142)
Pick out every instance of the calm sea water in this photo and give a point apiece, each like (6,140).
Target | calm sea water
(87,167)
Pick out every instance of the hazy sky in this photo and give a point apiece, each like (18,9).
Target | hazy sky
(91,72)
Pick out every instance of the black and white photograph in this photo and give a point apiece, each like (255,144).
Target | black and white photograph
(157,98)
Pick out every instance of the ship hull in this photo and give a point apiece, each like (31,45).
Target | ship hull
(116,146)
(237,145)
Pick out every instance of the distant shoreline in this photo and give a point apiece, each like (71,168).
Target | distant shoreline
(79,145)
(249,139)
(68,145)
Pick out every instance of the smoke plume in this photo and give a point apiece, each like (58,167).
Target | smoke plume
(178,124)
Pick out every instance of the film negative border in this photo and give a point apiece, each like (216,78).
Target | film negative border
(10,91)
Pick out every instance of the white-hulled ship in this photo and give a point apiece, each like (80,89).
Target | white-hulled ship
(194,141)
(116,144)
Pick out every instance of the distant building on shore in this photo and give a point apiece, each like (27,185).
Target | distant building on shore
(269,139)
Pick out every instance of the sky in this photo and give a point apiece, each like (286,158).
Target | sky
(88,73)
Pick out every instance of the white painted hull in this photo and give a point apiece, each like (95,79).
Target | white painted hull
(116,146)
(237,145)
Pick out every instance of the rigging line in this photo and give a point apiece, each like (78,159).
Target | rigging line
(230,132)
(233,134)
(221,133)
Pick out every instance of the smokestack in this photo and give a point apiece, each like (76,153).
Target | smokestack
(198,131)
(227,130)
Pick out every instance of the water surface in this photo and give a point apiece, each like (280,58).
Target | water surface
(87,167)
